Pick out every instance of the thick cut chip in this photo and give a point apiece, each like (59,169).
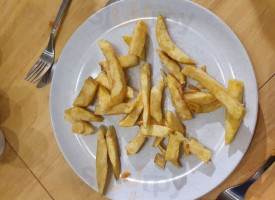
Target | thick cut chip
(82,114)
(131,118)
(167,45)
(101,160)
(162,149)
(155,101)
(199,150)
(193,87)
(193,107)
(145,90)
(87,93)
(200,98)
(122,108)
(234,107)
(172,151)
(173,122)
(155,130)
(164,77)
(157,141)
(116,74)
(235,89)
(125,62)
(127,39)
(69,118)
(135,144)
(160,160)
(82,127)
(211,107)
(112,146)
(178,102)
(138,39)
(172,66)
(103,97)
(102,79)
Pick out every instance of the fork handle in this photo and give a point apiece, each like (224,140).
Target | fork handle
(63,6)
(242,188)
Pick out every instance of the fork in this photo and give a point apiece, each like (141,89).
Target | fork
(47,78)
(46,59)
(238,192)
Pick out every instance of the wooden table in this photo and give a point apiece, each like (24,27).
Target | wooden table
(32,166)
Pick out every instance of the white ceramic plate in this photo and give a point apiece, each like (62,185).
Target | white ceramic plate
(204,37)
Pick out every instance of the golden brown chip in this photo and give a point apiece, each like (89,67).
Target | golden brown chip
(112,146)
(82,114)
(235,89)
(101,160)
(199,150)
(115,73)
(234,107)
(172,151)
(172,66)
(87,93)
(178,102)
(155,101)
(138,39)
(135,144)
(127,39)
(200,98)
(125,62)
(173,122)
(155,130)
(82,127)
(122,108)
(193,87)
(145,90)
(131,118)
(160,160)
(167,45)
(157,141)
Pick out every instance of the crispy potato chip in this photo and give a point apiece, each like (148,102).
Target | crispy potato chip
(175,163)
(125,174)
(172,66)
(112,146)
(211,107)
(131,118)
(193,107)
(145,90)
(157,141)
(155,101)
(135,144)
(186,148)
(235,89)
(172,151)
(178,102)
(193,87)
(164,77)
(138,39)
(203,68)
(87,93)
(125,62)
(116,75)
(82,114)
(127,39)
(235,108)
(198,85)
(200,98)
(174,123)
(82,127)
(167,45)
(160,160)
(102,79)
(69,118)
(155,130)
(122,108)
(103,97)
(199,150)
(101,160)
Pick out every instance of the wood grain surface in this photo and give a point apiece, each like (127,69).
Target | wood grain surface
(32,166)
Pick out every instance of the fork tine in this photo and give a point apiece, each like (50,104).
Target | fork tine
(37,63)
(45,69)
(37,72)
